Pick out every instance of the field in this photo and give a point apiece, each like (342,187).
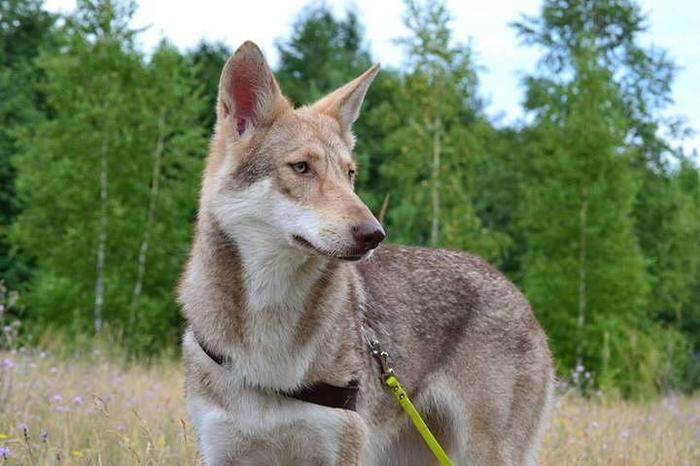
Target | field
(92,411)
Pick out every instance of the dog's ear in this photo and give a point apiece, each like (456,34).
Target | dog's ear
(249,95)
(344,103)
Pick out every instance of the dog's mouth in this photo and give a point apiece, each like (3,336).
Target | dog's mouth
(306,244)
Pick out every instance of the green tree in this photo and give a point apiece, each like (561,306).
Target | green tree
(72,153)
(208,60)
(498,192)
(24,28)
(437,141)
(178,147)
(322,54)
(110,179)
(668,227)
(593,102)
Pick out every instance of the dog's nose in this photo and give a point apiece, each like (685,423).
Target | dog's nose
(368,234)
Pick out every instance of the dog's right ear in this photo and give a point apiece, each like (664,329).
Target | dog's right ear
(249,96)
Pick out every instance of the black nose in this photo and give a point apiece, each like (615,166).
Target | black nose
(368,234)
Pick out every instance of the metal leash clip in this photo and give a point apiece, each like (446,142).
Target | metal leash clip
(390,380)
(383,358)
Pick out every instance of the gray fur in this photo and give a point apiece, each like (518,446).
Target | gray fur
(462,339)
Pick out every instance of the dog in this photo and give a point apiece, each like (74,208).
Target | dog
(286,280)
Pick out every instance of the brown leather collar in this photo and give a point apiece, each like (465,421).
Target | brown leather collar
(322,394)
(328,395)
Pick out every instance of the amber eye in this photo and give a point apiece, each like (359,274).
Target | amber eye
(300,167)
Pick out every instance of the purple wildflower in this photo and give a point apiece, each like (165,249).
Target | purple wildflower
(57,398)
(4,452)
(77,400)
(8,364)
(62,409)
(25,431)
(44,436)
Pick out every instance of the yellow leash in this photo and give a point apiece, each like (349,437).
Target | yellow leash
(402,397)
(391,381)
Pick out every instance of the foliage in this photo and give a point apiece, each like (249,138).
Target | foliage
(24,28)
(589,205)
(597,93)
(207,61)
(86,176)
(322,54)
(436,143)
(588,189)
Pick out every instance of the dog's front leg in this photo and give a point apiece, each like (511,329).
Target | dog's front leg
(292,434)
(331,437)
(352,440)
(327,437)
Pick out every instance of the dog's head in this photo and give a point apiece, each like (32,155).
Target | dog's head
(286,175)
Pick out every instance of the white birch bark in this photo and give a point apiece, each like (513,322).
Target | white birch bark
(582,285)
(435,228)
(150,218)
(101,239)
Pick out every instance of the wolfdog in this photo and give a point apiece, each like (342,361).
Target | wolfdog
(286,279)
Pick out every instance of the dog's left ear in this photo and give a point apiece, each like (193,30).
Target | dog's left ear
(344,103)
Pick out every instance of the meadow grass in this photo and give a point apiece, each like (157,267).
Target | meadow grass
(91,410)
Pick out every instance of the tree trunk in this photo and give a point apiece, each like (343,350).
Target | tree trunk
(435,229)
(150,218)
(582,285)
(385,206)
(101,241)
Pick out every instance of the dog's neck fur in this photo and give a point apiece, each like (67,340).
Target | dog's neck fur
(277,276)
(268,302)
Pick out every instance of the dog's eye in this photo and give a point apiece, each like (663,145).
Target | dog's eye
(351,173)
(301,167)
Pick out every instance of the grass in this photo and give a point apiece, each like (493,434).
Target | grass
(662,433)
(93,411)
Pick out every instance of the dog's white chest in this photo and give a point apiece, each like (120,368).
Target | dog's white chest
(274,307)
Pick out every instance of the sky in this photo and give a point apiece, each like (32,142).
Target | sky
(503,60)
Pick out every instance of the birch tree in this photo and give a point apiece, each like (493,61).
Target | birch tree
(66,174)
(584,271)
(593,101)
(109,181)
(176,148)
(437,139)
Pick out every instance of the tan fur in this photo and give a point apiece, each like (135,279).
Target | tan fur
(351,443)
(266,289)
